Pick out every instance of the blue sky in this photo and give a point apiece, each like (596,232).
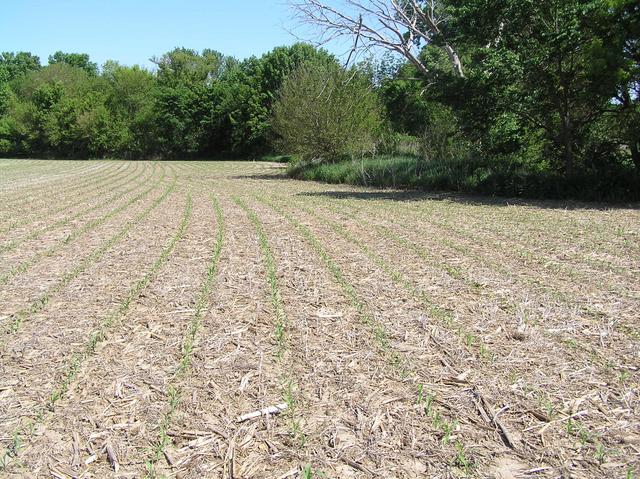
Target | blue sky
(132,31)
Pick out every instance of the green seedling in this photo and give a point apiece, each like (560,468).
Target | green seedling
(425,399)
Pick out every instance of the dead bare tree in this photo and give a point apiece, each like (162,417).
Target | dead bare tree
(402,26)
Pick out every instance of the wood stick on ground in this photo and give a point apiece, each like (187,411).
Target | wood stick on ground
(262,412)
(358,466)
(487,414)
(75,461)
(111,455)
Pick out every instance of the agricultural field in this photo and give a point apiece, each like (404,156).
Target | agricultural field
(146,307)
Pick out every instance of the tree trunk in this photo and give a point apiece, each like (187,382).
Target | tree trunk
(566,134)
(635,154)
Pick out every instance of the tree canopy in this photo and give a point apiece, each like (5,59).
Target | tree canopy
(511,91)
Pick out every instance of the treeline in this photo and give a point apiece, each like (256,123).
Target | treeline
(543,99)
(520,98)
(193,105)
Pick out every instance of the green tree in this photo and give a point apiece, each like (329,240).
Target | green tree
(325,113)
(129,100)
(14,65)
(627,26)
(554,64)
(183,66)
(78,60)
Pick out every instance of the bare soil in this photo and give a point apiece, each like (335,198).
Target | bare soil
(145,307)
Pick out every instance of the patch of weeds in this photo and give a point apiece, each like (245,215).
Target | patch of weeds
(309,473)
(624,376)
(469,339)
(485,353)
(547,404)
(438,312)
(453,271)
(571,342)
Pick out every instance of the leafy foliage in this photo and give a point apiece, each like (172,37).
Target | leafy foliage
(548,99)
(326,113)
(196,104)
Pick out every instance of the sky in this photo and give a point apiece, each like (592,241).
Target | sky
(132,31)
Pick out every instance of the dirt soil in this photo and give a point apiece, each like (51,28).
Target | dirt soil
(148,308)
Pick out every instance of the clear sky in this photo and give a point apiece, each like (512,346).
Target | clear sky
(132,31)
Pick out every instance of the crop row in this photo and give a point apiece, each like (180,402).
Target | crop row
(46,204)
(401,366)
(81,231)
(40,193)
(12,245)
(24,433)
(40,303)
(188,342)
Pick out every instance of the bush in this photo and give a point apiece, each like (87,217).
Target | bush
(324,114)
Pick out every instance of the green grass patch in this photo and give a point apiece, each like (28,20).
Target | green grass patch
(471,176)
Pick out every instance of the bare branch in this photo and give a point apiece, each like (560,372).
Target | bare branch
(402,26)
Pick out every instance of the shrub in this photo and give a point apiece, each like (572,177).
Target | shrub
(324,114)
